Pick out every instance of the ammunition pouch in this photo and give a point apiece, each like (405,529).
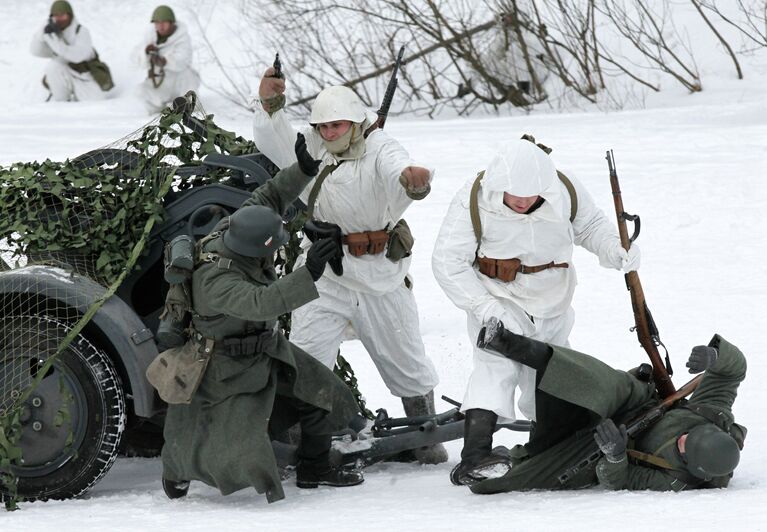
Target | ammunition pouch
(400,244)
(506,270)
(246,345)
(366,242)
(98,69)
(177,372)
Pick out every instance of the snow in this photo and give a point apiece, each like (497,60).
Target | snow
(693,167)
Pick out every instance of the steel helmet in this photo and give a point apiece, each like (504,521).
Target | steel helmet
(61,7)
(163,14)
(337,103)
(710,452)
(255,231)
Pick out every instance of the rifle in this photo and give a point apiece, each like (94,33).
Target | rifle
(156,77)
(636,427)
(383,111)
(644,325)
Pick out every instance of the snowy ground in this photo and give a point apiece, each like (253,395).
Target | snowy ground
(693,167)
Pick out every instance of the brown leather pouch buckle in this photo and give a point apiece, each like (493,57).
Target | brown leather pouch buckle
(378,241)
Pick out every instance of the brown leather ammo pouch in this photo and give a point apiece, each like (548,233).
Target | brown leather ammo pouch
(378,241)
(502,269)
(357,243)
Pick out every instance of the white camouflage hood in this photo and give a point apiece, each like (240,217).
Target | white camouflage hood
(523,169)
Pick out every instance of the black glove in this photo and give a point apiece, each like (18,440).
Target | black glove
(611,439)
(308,164)
(51,27)
(702,358)
(319,255)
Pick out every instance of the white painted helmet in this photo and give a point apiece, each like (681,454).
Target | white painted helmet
(337,103)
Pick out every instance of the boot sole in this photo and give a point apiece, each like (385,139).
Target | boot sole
(305,484)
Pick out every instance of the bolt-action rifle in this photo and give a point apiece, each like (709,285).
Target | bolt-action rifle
(391,88)
(644,325)
(635,427)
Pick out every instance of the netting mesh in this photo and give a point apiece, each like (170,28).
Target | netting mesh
(91,216)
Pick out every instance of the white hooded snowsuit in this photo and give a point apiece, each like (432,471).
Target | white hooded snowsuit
(536,305)
(72,45)
(179,76)
(362,194)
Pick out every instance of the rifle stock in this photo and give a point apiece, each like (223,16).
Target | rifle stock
(644,325)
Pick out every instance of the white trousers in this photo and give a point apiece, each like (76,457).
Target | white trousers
(65,84)
(387,325)
(173,85)
(494,379)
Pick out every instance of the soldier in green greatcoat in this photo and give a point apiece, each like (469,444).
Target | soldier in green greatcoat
(583,403)
(256,383)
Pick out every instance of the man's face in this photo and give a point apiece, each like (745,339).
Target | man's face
(330,131)
(520,204)
(164,28)
(63,20)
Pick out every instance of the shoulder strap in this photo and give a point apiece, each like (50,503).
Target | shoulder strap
(329,169)
(476,222)
(77,30)
(573,196)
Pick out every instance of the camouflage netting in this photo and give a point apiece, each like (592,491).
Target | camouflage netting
(91,215)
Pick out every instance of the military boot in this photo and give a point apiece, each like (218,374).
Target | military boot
(312,476)
(533,353)
(423,405)
(478,460)
(175,489)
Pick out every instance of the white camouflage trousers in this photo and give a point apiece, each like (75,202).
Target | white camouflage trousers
(65,84)
(387,325)
(494,379)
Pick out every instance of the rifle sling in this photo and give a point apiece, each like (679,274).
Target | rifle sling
(329,169)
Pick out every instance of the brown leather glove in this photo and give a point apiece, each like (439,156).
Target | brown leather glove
(150,48)
(415,179)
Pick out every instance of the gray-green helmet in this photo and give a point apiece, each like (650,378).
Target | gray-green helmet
(61,7)
(710,452)
(163,14)
(255,231)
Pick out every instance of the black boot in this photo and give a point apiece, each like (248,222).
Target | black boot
(326,475)
(532,353)
(175,489)
(478,462)
(314,467)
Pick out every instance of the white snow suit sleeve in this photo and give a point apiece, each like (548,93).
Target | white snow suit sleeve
(74,45)
(593,231)
(38,46)
(276,138)
(391,160)
(453,259)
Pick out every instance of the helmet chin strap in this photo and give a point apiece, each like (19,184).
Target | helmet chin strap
(350,145)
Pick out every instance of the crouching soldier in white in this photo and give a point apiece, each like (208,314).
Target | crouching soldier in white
(365,184)
(69,74)
(166,54)
(511,259)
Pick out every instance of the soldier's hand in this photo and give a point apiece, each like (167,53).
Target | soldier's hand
(308,164)
(150,48)
(611,439)
(702,358)
(270,86)
(158,60)
(51,27)
(318,256)
(416,179)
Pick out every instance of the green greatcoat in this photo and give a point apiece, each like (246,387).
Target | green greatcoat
(222,437)
(589,386)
